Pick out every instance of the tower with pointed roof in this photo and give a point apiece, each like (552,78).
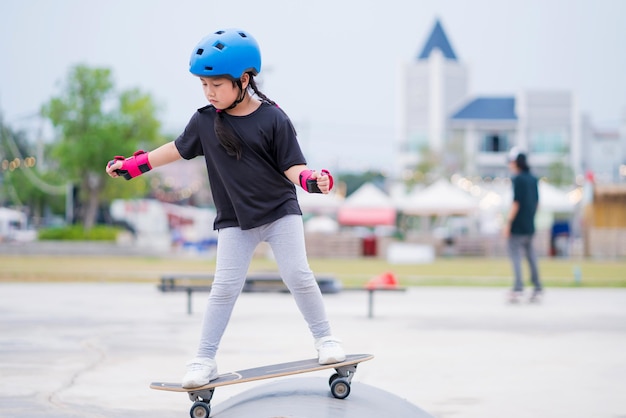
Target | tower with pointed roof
(437,40)
(472,134)
(433,85)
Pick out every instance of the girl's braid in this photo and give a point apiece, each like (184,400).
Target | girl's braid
(259,93)
(263,97)
(227,137)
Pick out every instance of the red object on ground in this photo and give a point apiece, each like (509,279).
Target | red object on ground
(386,280)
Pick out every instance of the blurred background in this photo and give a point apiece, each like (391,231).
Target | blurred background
(412,106)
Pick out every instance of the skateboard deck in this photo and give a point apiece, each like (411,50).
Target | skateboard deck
(201,396)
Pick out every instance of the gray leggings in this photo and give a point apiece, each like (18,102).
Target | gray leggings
(234,252)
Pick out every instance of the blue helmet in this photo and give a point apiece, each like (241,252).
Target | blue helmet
(230,52)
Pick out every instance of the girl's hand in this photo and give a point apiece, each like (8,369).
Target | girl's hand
(113,166)
(130,167)
(314,182)
(323,181)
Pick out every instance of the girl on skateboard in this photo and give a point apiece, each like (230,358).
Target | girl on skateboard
(253,161)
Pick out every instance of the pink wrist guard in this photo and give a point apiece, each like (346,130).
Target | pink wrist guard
(309,184)
(133,166)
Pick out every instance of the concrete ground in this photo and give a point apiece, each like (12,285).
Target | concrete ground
(91,350)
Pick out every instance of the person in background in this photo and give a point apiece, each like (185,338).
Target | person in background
(520,226)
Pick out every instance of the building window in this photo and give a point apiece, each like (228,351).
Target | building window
(416,142)
(548,142)
(494,142)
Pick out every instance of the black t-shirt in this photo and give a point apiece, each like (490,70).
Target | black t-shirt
(526,193)
(253,190)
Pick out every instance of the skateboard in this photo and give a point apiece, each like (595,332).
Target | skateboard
(201,396)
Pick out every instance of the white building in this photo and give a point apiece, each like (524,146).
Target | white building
(545,124)
(433,86)
(604,152)
(472,134)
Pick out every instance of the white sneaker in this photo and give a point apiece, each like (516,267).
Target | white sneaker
(200,371)
(329,350)
(515,296)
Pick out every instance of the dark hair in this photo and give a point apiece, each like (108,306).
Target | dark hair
(227,137)
(521,162)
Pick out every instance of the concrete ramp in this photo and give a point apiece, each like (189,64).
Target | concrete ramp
(310,397)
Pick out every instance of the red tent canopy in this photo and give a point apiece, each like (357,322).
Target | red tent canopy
(366,216)
(367,206)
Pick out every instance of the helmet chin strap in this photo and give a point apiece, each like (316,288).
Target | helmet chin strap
(242,95)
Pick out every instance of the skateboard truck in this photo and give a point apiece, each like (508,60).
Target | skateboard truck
(340,381)
(201,399)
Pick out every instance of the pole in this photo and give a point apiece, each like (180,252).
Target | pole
(69,203)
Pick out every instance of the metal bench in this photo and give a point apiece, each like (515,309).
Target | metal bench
(263,282)
(257,282)
(370,295)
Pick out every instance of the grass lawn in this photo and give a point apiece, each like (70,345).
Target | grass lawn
(352,272)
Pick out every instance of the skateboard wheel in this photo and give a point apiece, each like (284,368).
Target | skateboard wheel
(340,388)
(200,410)
(333,378)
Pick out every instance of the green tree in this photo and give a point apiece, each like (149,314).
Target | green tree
(560,173)
(24,181)
(95,123)
(428,169)
(353,181)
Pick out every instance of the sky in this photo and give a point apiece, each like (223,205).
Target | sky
(332,65)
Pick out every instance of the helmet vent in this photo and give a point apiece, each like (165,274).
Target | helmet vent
(219,46)
(219,32)
(199,51)
(243,35)
(207,68)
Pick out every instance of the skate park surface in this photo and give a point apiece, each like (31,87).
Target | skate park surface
(92,350)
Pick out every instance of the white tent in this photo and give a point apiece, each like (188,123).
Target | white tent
(321,224)
(551,199)
(440,198)
(317,203)
(368,196)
